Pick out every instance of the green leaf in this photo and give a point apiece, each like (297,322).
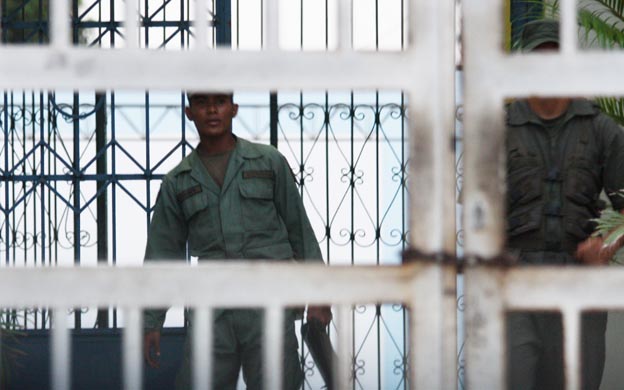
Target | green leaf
(614,107)
(607,29)
(614,236)
(609,221)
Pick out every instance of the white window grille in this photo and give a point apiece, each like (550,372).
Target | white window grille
(425,71)
(490,77)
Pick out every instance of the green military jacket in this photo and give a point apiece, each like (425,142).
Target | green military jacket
(257,213)
(556,173)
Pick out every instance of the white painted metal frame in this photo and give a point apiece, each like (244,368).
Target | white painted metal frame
(425,71)
(490,77)
(495,291)
(236,284)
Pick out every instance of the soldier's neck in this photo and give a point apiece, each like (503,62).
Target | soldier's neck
(216,145)
(549,108)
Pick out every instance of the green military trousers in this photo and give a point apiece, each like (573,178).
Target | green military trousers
(237,343)
(535,342)
(535,359)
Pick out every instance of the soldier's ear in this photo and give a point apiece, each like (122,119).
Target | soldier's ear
(189,113)
(234,110)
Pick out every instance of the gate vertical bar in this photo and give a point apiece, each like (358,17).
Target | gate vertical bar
(223,22)
(569,29)
(273,118)
(432,182)
(345,28)
(485,337)
(102,200)
(201,353)
(426,320)
(270,25)
(61,352)
(344,365)
(201,25)
(59,22)
(5,132)
(572,348)
(483,128)
(433,125)
(76,184)
(483,192)
(273,347)
(132,359)
(131,23)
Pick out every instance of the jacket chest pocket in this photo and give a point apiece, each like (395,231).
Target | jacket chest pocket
(582,184)
(202,219)
(524,181)
(257,204)
(194,206)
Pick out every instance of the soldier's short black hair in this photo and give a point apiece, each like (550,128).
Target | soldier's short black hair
(191,94)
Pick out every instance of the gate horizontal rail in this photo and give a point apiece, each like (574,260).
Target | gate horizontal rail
(273,286)
(494,291)
(40,67)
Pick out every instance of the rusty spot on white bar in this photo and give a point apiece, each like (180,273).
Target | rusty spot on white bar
(61,351)
(201,23)
(131,23)
(59,24)
(201,362)
(270,23)
(273,347)
(132,349)
(572,347)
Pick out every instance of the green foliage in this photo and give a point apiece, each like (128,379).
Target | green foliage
(609,221)
(605,26)
(610,225)
(602,23)
(614,107)
(27,20)
(9,330)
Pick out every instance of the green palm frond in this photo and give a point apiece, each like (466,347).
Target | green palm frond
(609,221)
(614,7)
(607,33)
(614,107)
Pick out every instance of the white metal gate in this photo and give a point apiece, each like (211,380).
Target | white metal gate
(425,71)
(491,290)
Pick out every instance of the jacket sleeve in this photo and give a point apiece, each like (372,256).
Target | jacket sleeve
(290,208)
(613,159)
(166,240)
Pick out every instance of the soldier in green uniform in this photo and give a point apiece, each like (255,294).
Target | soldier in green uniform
(561,153)
(231,199)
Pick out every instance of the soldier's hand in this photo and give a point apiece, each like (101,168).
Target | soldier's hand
(322,314)
(592,251)
(151,348)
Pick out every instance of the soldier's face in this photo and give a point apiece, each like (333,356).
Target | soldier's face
(212,114)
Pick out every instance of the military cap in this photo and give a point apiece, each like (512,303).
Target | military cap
(538,32)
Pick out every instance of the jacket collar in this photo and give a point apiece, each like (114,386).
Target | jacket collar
(244,150)
(519,112)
